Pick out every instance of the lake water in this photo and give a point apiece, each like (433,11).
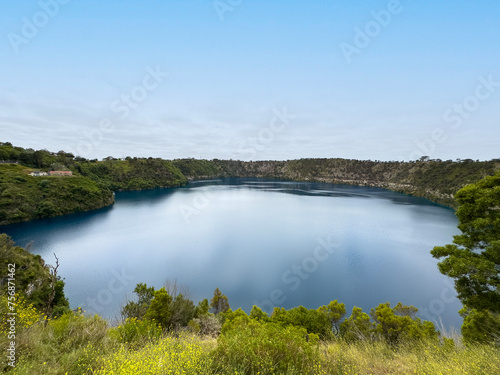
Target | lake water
(265,242)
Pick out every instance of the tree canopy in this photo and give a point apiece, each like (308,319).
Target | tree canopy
(473,259)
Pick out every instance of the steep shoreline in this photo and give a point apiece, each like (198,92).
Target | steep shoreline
(24,198)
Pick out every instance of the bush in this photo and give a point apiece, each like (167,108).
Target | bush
(205,325)
(136,332)
(252,347)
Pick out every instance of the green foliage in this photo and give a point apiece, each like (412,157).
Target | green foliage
(138,309)
(34,282)
(202,308)
(136,332)
(23,197)
(229,317)
(219,302)
(313,321)
(160,308)
(68,344)
(393,325)
(400,323)
(357,327)
(480,326)
(252,347)
(170,312)
(197,169)
(133,174)
(257,314)
(473,259)
(335,312)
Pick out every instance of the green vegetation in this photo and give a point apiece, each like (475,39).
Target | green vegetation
(395,342)
(132,173)
(23,197)
(34,280)
(473,259)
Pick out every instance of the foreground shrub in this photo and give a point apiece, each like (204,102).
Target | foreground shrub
(480,326)
(205,325)
(136,332)
(70,343)
(251,347)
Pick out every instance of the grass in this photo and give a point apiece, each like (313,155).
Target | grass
(379,358)
(75,344)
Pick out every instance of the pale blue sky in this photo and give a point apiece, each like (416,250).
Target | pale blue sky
(68,66)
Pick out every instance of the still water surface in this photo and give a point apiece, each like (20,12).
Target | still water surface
(271,243)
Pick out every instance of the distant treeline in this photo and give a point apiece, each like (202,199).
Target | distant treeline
(23,197)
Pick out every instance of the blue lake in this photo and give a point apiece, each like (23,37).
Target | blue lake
(265,242)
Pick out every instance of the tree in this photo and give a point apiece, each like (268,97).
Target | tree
(183,310)
(357,327)
(257,313)
(159,310)
(473,259)
(219,302)
(170,312)
(138,309)
(314,321)
(202,308)
(334,311)
(400,323)
(36,280)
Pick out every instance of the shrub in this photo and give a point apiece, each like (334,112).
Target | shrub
(136,332)
(252,347)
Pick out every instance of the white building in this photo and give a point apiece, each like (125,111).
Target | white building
(38,174)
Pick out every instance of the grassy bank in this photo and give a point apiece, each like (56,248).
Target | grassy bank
(75,344)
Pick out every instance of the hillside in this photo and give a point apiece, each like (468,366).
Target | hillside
(23,197)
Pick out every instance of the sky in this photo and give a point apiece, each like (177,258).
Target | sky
(252,79)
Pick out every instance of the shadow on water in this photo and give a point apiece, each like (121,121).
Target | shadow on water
(27,232)
(140,197)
